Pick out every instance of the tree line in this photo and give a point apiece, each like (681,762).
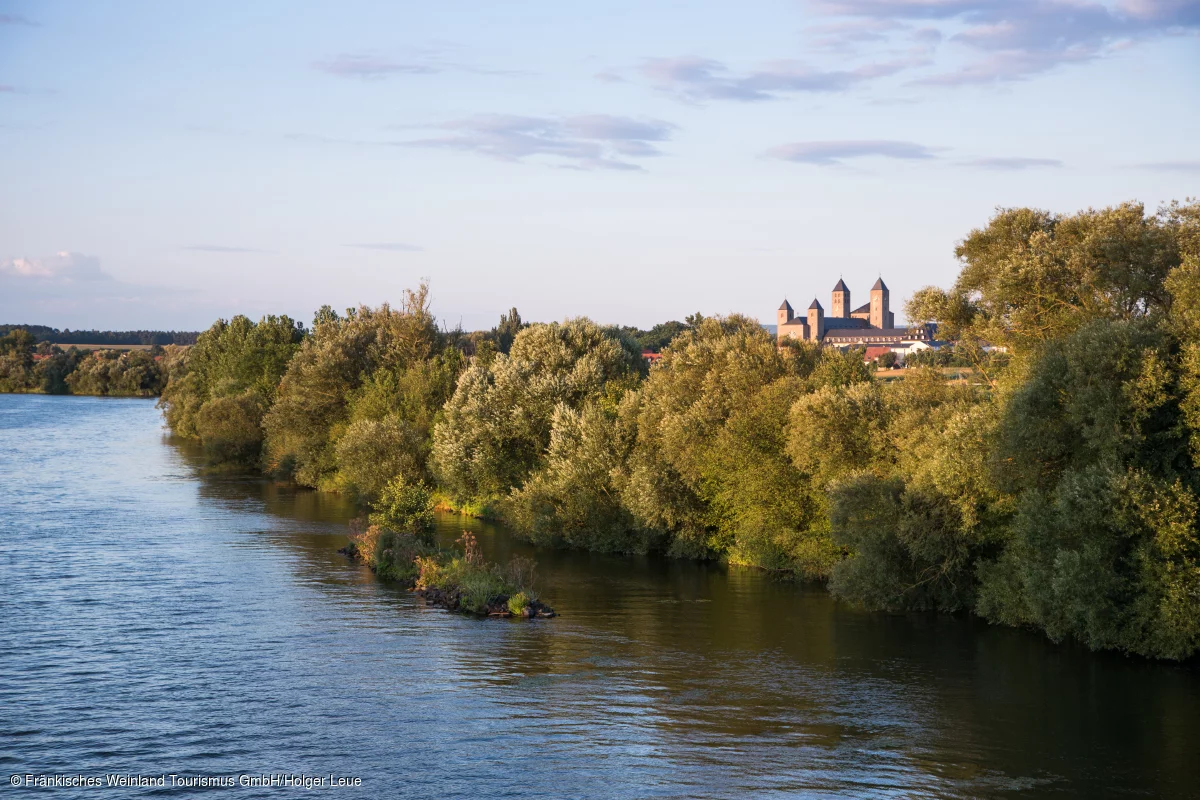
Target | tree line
(43,333)
(1059,490)
(27,365)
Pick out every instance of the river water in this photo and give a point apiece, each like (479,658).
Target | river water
(159,621)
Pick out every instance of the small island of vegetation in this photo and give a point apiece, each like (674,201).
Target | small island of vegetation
(398,545)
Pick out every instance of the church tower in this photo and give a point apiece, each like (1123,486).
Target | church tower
(785,314)
(881,316)
(841,301)
(816,321)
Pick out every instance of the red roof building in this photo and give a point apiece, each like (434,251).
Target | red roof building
(875,352)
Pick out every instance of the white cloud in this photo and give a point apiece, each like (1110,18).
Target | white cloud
(69,289)
(62,267)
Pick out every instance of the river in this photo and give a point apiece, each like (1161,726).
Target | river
(157,620)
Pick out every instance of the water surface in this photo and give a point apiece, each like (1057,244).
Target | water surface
(158,620)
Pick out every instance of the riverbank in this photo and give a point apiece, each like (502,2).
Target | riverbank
(463,582)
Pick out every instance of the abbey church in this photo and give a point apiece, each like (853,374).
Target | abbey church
(872,323)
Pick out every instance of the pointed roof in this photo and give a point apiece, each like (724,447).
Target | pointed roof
(879,284)
(841,286)
(815,305)
(786,306)
(864,308)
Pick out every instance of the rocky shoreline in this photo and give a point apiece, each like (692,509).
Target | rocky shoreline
(497,606)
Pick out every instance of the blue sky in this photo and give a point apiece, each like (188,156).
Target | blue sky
(163,164)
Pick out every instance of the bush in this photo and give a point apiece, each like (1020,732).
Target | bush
(372,453)
(405,508)
(231,428)
(477,583)
(518,603)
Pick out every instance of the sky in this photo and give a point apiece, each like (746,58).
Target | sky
(165,164)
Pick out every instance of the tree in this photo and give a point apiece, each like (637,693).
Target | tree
(1094,448)
(573,499)
(675,483)
(236,365)
(369,364)
(1032,276)
(16,361)
(504,333)
(110,372)
(497,426)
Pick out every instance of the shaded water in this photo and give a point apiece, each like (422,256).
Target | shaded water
(155,620)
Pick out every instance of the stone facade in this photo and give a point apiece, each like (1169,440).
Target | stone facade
(870,324)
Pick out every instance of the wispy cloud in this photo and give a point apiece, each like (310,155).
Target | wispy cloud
(395,247)
(593,141)
(1170,166)
(4,87)
(1009,40)
(15,19)
(1013,164)
(846,35)
(359,66)
(220,248)
(831,153)
(428,61)
(695,79)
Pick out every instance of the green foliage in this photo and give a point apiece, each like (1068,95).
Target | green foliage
(233,369)
(1073,486)
(16,361)
(658,337)
(1110,558)
(1094,447)
(392,554)
(1104,395)
(230,428)
(478,584)
(836,367)
(504,333)
(51,372)
(675,483)
(573,499)
(497,426)
(109,339)
(518,603)
(372,452)
(1062,492)
(17,340)
(838,429)
(1032,276)
(1183,283)
(404,507)
(766,512)
(132,373)
(371,371)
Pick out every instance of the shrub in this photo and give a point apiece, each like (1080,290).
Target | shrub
(518,603)
(477,583)
(231,428)
(405,508)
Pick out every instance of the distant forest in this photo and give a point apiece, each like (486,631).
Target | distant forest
(43,333)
